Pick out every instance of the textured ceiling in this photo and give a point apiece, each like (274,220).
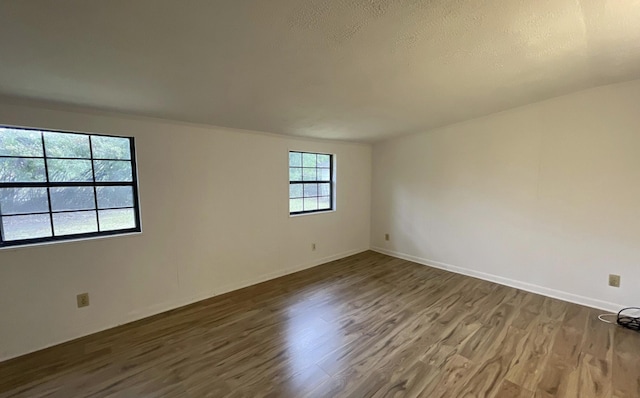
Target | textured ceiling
(343,69)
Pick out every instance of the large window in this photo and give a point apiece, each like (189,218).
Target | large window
(58,186)
(310,182)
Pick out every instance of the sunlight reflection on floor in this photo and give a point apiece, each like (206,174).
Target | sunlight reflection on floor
(309,337)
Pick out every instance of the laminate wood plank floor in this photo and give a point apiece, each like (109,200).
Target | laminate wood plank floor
(365,326)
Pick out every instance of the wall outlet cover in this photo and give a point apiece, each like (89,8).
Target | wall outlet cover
(83,300)
(614,280)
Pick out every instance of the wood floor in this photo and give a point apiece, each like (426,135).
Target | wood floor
(365,326)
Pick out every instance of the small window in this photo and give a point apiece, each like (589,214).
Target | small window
(60,186)
(310,182)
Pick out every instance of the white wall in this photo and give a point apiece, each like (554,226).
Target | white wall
(544,197)
(215,218)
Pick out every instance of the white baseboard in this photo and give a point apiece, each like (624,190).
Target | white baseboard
(529,287)
(168,306)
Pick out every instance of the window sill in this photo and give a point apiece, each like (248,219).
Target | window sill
(56,242)
(312,214)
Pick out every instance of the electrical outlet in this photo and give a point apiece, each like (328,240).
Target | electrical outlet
(313,247)
(614,280)
(83,300)
(386,236)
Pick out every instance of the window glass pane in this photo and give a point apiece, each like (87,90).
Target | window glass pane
(324,174)
(295,191)
(295,174)
(309,159)
(74,223)
(309,174)
(324,189)
(324,160)
(295,159)
(295,205)
(310,190)
(310,204)
(69,170)
(113,170)
(15,142)
(62,145)
(23,200)
(324,202)
(111,147)
(72,198)
(22,170)
(114,197)
(51,183)
(26,227)
(111,220)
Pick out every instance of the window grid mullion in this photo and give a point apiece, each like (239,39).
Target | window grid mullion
(1,226)
(95,189)
(61,158)
(46,173)
(65,211)
(66,184)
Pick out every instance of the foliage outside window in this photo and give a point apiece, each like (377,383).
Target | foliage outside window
(310,182)
(59,186)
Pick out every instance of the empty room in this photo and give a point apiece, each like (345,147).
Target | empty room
(320,198)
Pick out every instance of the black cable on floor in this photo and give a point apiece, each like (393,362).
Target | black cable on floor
(624,318)
(628,321)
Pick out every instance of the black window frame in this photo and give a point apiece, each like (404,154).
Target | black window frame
(94,184)
(316,181)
